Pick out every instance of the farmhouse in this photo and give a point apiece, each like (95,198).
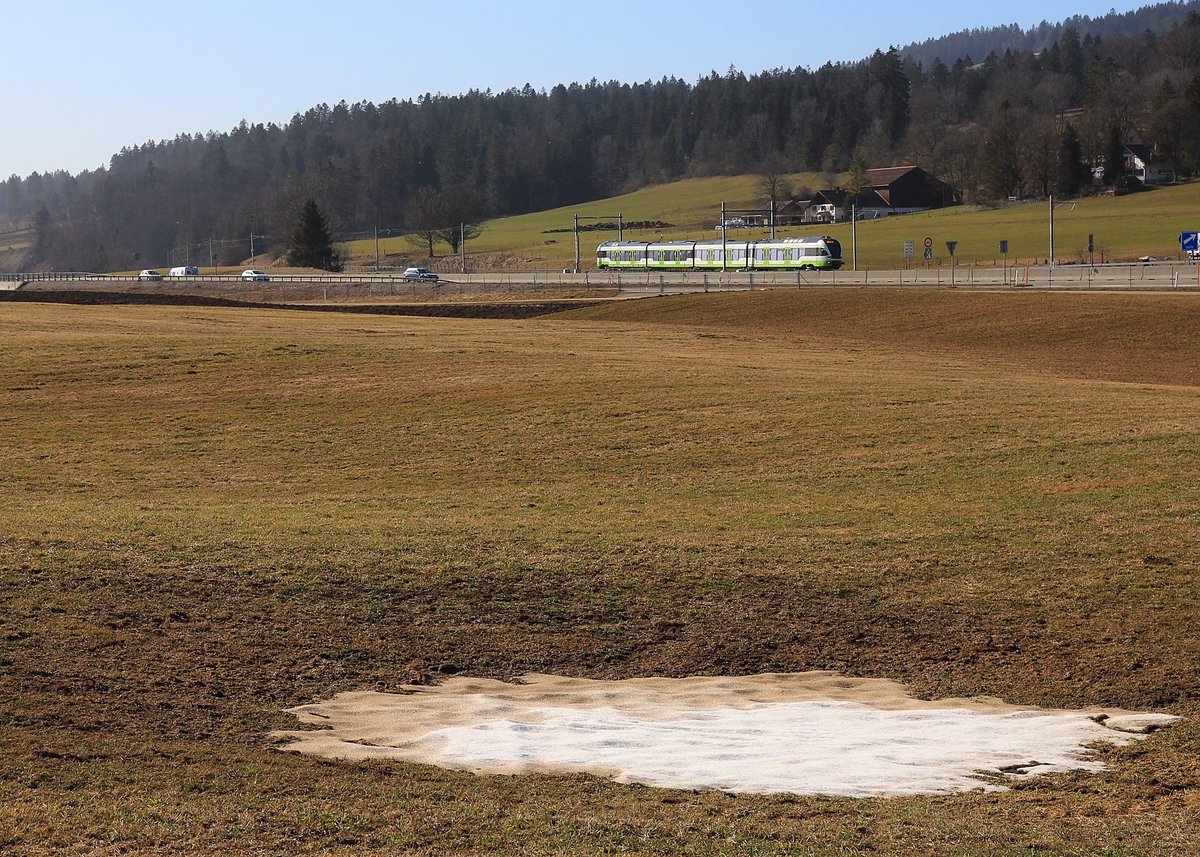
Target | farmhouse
(830,206)
(889,190)
(1147,167)
(792,212)
(1142,164)
(910,188)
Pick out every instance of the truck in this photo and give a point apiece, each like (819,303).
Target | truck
(184,271)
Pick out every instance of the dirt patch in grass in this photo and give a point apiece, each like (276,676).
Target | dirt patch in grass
(513,309)
(209,515)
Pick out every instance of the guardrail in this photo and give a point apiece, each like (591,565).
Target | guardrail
(1130,275)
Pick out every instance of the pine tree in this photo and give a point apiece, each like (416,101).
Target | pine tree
(1114,158)
(1001,164)
(312,246)
(1072,172)
(856,181)
(41,233)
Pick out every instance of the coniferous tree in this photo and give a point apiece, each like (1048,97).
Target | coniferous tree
(312,245)
(1072,171)
(41,233)
(1114,158)
(1001,164)
(856,181)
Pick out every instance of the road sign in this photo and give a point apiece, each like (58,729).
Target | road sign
(928,242)
(1091,243)
(1003,248)
(908,249)
(1189,241)
(928,254)
(950,245)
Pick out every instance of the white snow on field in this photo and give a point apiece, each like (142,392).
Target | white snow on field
(810,733)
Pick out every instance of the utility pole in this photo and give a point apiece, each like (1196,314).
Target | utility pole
(251,245)
(1051,259)
(376,248)
(603,220)
(462,246)
(576,243)
(772,219)
(724,261)
(210,255)
(854,236)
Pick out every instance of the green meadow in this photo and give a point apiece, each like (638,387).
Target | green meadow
(1124,228)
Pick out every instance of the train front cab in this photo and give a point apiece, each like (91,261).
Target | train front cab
(621,254)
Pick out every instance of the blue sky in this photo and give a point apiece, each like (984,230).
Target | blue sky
(86,78)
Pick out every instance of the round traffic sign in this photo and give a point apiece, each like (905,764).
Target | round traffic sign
(928,242)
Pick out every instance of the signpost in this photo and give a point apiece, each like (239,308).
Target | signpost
(950,245)
(908,253)
(1189,243)
(1004,253)
(928,249)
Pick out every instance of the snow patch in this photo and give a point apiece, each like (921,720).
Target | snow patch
(810,733)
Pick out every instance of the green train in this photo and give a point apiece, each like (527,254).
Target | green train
(786,254)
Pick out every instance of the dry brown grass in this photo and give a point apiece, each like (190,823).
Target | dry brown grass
(208,515)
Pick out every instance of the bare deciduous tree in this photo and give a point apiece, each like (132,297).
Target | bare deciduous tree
(423,216)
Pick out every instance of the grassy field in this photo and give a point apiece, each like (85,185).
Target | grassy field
(209,515)
(1124,228)
(693,206)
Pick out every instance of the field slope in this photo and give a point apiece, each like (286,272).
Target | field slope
(1123,228)
(210,514)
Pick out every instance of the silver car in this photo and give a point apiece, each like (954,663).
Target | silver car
(420,274)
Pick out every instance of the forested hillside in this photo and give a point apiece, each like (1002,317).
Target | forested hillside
(1157,19)
(994,129)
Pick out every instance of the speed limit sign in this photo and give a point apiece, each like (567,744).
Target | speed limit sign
(928,242)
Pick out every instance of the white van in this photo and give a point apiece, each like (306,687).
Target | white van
(185,271)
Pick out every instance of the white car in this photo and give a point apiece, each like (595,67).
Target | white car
(149,275)
(252,274)
(420,274)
